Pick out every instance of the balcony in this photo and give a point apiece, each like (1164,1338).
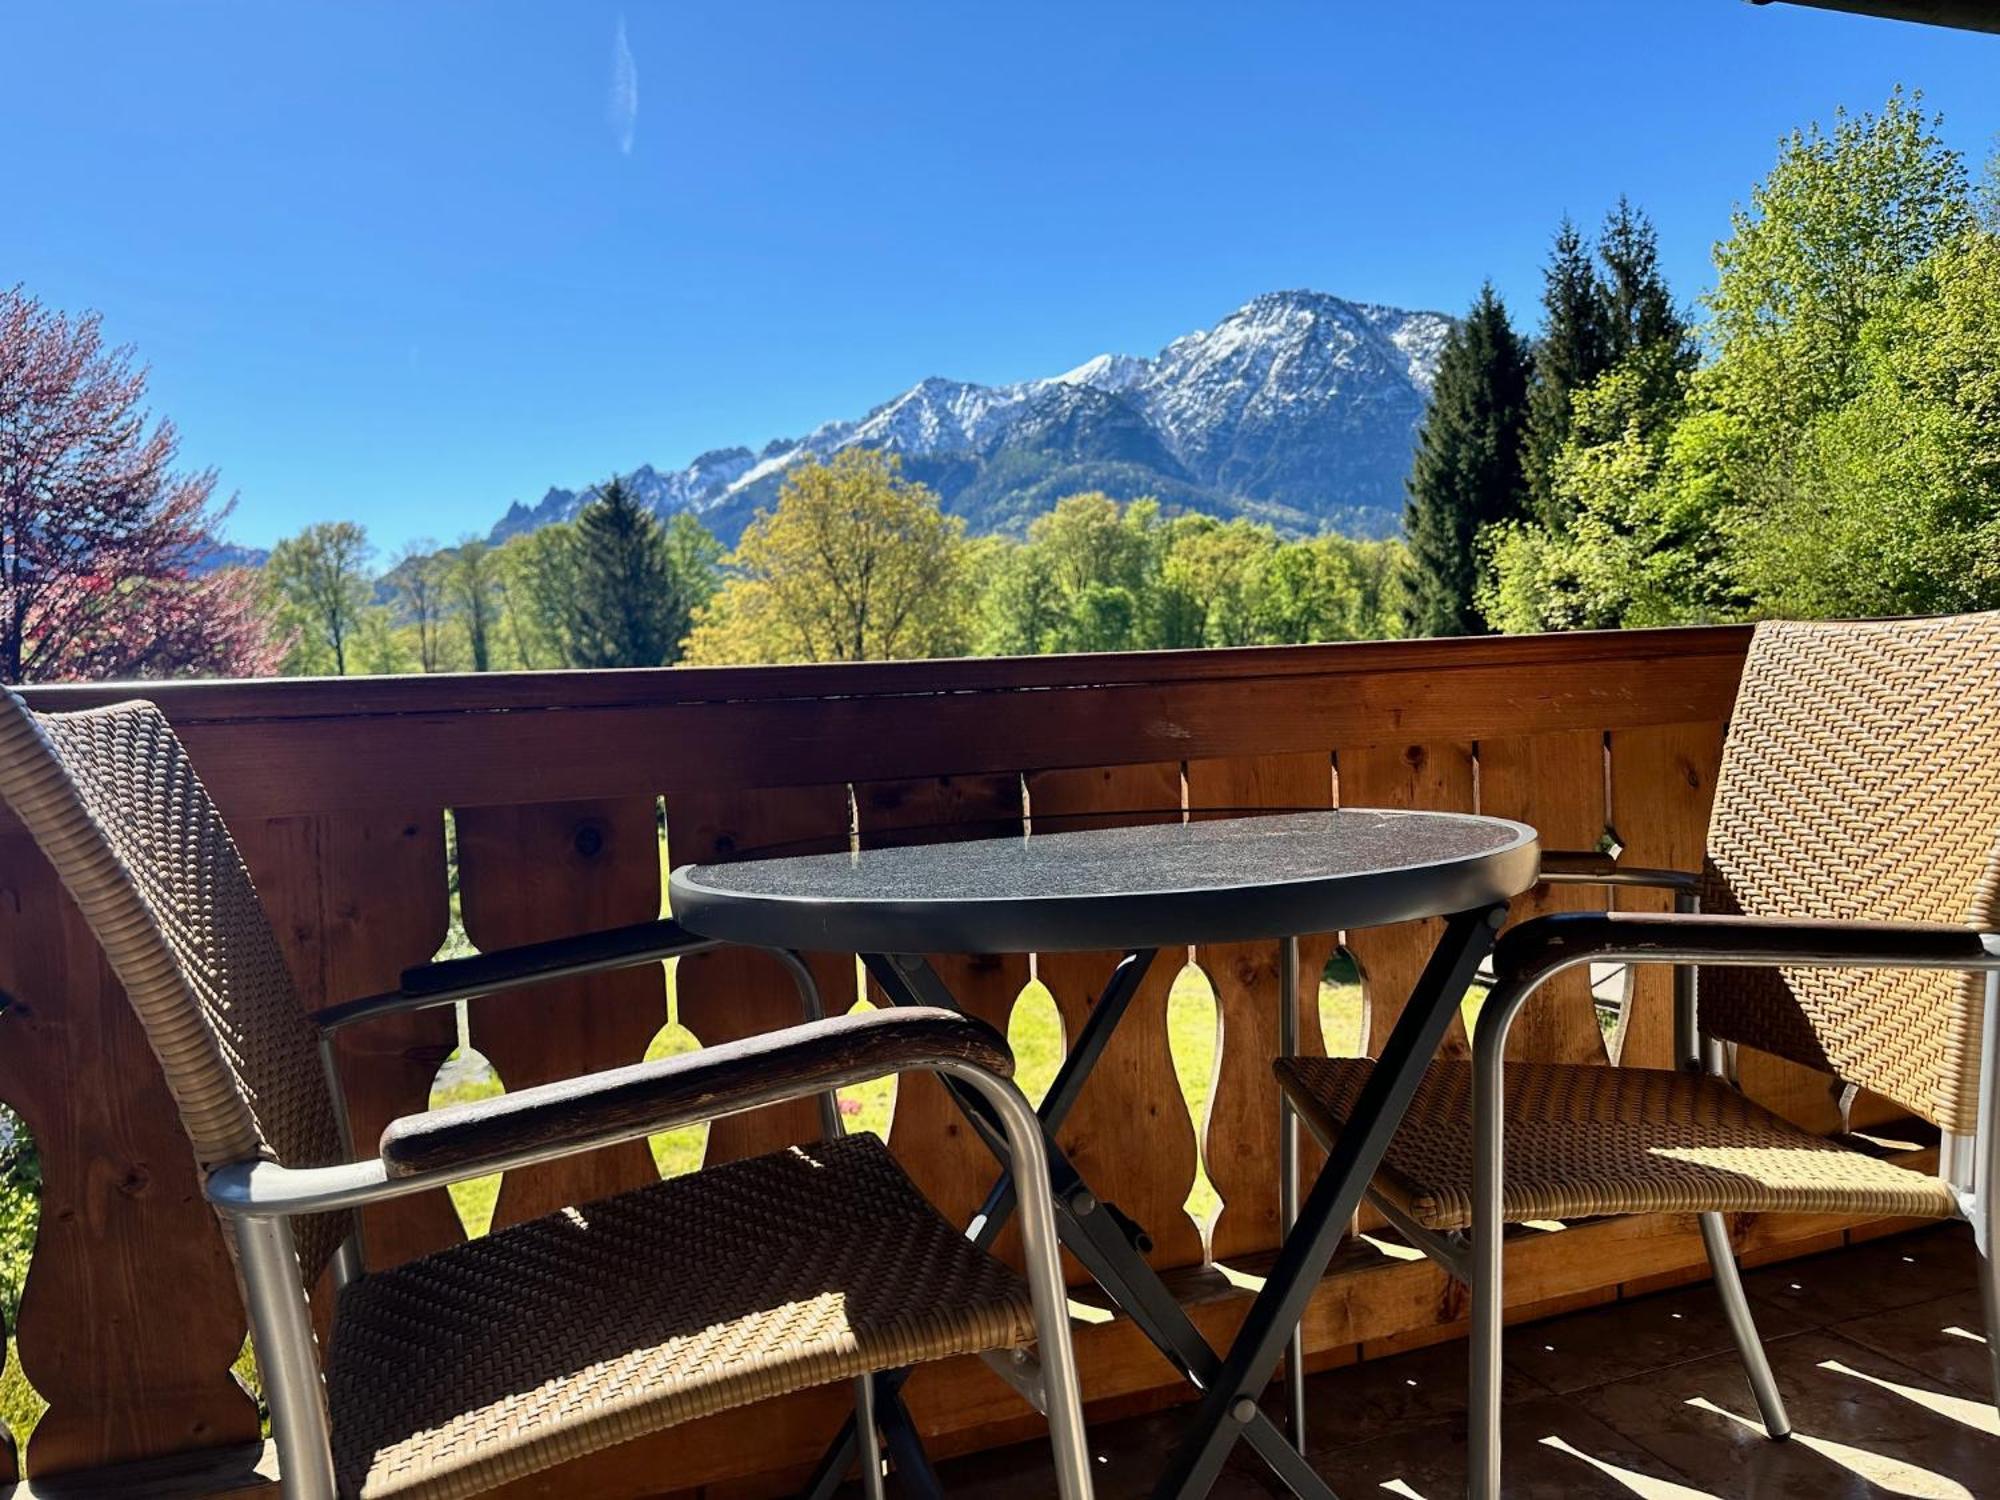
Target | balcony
(387,818)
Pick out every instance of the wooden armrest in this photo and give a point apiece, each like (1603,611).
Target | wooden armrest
(454,979)
(1553,942)
(622,1103)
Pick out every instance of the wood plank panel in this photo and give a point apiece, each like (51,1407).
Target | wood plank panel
(130,1317)
(1129,1135)
(547,870)
(941,1152)
(1240,1135)
(355,900)
(1255,704)
(555,693)
(733,992)
(1436,777)
(1554,782)
(1662,783)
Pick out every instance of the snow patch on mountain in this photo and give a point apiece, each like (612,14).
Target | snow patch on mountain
(1299,401)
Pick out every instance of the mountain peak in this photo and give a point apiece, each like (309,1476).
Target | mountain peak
(1299,406)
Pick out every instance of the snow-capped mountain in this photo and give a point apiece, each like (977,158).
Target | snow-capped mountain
(1299,407)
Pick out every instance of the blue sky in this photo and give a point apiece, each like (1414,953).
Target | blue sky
(404,262)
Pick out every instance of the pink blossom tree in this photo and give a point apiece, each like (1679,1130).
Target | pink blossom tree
(105,551)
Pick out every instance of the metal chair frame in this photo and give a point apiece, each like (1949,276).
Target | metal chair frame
(1971,1167)
(260,1198)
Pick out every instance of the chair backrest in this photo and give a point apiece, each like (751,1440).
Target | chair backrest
(1861,781)
(110,797)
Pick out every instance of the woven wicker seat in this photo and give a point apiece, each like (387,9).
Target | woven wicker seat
(1590,1140)
(572,1332)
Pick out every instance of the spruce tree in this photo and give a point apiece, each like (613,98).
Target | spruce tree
(631,607)
(1574,349)
(1467,473)
(1639,311)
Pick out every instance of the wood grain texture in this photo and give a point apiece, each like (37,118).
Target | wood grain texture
(930,1136)
(1130,1135)
(1240,1134)
(355,900)
(546,870)
(1662,783)
(1555,783)
(1436,777)
(731,992)
(129,1373)
(800,727)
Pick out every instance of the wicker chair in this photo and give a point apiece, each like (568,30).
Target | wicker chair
(551,1339)
(1852,890)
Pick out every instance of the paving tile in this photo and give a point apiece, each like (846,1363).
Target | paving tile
(1876,1277)
(1127,1459)
(1546,1441)
(1378,1397)
(1853,1436)
(1918,1337)
(1610,1343)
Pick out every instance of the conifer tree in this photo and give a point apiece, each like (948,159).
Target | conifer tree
(1638,310)
(631,604)
(1574,349)
(1468,472)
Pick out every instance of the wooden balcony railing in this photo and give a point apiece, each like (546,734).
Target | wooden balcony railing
(338,791)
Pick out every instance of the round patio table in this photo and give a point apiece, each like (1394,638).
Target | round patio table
(1142,888)
(1222,880)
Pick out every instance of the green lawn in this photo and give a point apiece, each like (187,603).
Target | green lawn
(1033,1032)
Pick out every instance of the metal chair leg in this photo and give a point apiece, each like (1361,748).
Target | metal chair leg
(287,1356)
(1989,1291)
(1028,1160)
(1482,1415)
(872,1485)
(1736,1307)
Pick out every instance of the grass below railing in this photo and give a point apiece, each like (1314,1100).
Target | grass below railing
(1034,1033)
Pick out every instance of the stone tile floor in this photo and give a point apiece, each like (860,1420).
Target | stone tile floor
(1878,1348)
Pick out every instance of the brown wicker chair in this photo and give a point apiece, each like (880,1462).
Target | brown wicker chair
(1851,889)
(548,1340)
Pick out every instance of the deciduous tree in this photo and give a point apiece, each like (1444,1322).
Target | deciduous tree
(103,546)
(320,593)
(856,563)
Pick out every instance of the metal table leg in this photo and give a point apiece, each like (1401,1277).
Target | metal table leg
(1288,1175)
(1099,1240)
(1336,1193)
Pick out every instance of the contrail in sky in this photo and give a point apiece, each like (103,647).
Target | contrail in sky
(622,107)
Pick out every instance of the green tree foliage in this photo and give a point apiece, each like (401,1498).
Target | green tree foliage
(473,584)
(631,606)
(1893,502)
(1468,472)
(419,581)
(1837,453)
(1573,350)
(856,563)
(1095,576)
(320,596)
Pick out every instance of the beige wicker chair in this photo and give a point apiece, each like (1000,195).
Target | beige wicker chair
(1852,886)
(539,1343)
